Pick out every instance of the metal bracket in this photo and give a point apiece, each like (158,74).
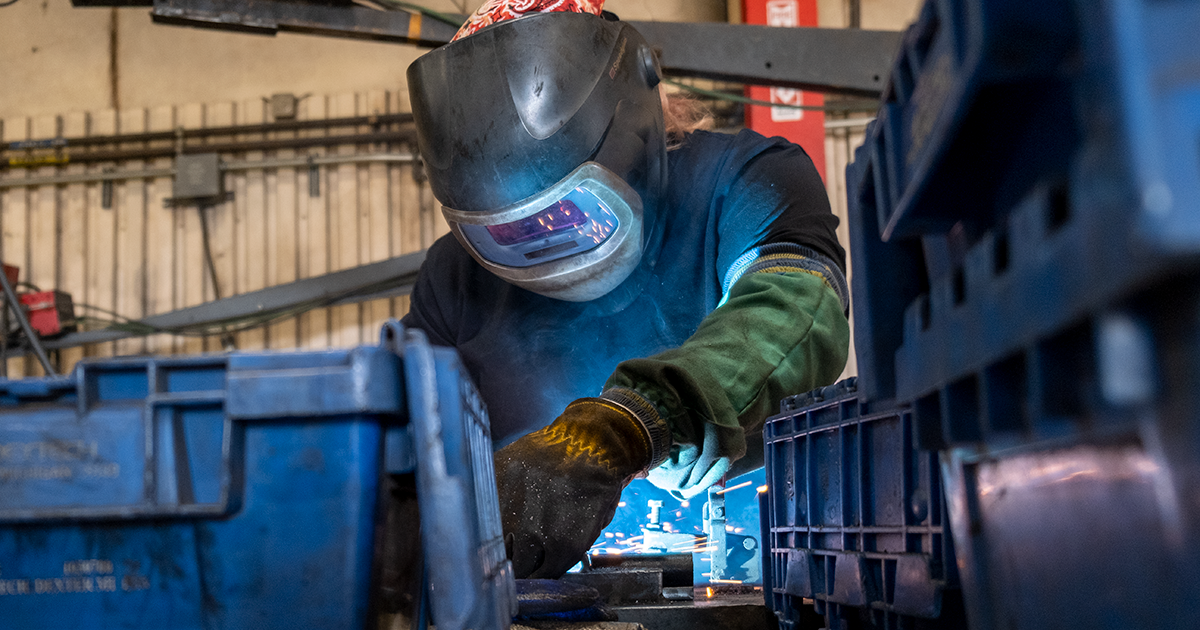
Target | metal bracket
(106,194)
(177,202)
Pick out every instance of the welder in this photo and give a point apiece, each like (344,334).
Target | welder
(631,295)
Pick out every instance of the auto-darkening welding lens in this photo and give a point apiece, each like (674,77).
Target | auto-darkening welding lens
(560,216)
(578,222)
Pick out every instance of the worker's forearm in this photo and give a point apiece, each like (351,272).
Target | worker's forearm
(778,334)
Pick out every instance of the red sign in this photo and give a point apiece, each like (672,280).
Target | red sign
(804,127)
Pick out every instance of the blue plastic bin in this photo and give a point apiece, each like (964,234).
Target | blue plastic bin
(1034,163)
(1026,241)
(1082,536)
(855,519)
(978,86)
(1073,474)
(240,491)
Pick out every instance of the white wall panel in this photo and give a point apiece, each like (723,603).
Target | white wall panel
(840,144)
(141,257)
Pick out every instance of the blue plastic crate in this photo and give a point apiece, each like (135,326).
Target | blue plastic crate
(1042,185)
(855,519)
(1080,536)
(471,583)
(1039,309)
(978,86)
(1074,472)
(241,491)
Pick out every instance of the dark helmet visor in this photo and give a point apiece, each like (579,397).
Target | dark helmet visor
(578,222)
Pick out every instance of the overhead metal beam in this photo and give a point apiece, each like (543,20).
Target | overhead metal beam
(388,278)
(272,16)
(846,61)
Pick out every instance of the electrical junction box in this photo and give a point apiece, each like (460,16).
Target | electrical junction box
(197,176)
(283,106)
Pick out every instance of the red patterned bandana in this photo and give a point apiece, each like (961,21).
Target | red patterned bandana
(494,11)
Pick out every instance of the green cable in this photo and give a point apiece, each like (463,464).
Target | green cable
(416,8)
(862,105)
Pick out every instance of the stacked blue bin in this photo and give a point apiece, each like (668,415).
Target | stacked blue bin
(244,491)
(854,518)
(1025,229)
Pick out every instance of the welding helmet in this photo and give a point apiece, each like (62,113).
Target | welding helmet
(543,139)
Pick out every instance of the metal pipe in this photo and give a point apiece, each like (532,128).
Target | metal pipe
(296,143)
(238,165)
(390,158)
(14,182)
(114,74)
(30,334)
(228,147)
(206,132)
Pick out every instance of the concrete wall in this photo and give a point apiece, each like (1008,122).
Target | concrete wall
(57,59)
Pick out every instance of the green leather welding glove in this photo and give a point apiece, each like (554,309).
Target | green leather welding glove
(782,331)
(559,487)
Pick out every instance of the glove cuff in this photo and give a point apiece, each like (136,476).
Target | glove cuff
(651,420)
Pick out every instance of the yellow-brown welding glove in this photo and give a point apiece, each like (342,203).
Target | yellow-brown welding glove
(559,486)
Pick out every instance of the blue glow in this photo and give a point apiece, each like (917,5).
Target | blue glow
(735,272)
(741,510)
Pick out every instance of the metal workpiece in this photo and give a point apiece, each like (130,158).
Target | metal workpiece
(657,539)
(733,555)
(722,612)
(577,625)
(741,553)
(714,528)
(547,597)
(635,578)
(845,61)
(676,568)
(621,585)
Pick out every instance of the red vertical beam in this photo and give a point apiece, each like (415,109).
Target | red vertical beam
(803,127)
